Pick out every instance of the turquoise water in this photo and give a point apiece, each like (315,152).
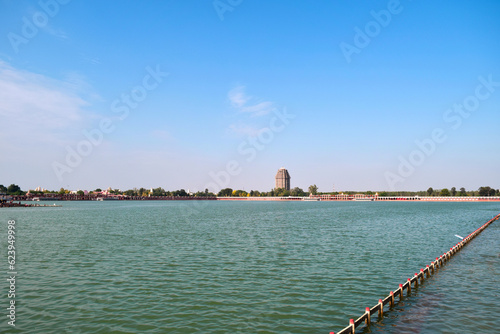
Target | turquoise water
(251,267)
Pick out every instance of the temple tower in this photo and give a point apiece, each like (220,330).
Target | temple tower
(283,179)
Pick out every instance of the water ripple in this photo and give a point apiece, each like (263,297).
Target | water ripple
(251,267)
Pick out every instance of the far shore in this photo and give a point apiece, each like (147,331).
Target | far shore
(15,201)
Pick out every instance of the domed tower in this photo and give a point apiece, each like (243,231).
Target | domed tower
(283,179)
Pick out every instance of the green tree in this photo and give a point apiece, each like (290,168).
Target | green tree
(80,192)
(453,191)
(158,192)
(130,192)
(226,192)
(297,192)
(484,191)
(3,189)
(430,191)
(313,189)
(205,193)
(181,193)
(281,192)
(239,193)
(444,192)
(13,189)
(463,192)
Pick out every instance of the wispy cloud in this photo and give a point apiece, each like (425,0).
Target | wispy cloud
(248,104)
(56,32)
(48,26)
(238,97)
(245,130)
(78,84)
(259,109)
(36,106)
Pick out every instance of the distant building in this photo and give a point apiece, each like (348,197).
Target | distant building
(283,179)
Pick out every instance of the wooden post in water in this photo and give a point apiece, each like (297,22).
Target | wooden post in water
(381,309)
(431,269)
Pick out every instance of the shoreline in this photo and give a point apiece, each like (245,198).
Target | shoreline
(26,205)
(329,198)
(15,201)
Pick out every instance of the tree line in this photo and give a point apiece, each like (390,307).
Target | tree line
(482,191)
(140,192)
(277,192)
(14,189)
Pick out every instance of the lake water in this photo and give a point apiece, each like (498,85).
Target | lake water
(249,267)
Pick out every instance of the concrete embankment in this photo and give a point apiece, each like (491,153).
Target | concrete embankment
(340,197)
(358,198)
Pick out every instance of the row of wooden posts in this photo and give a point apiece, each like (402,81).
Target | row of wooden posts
(417,279)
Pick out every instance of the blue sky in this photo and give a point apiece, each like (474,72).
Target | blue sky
(209,94)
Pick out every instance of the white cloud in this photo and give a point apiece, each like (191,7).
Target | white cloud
(36,106)
(248,104)
(259,109)
(56,33)
(238,97)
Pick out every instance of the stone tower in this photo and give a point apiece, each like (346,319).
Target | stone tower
(283,179)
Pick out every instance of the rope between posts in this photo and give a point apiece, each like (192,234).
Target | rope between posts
(422,275)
